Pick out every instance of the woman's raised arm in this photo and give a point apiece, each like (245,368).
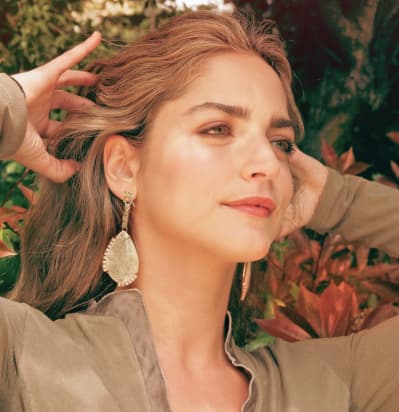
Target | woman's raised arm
(357,209)
(24,120)
(13,115)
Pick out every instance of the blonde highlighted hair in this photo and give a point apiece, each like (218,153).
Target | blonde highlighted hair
(67,231)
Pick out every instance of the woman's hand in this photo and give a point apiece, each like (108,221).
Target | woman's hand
(43,94)
(310,177)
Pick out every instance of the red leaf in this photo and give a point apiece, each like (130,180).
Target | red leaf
(362,255)
(384,291)
(301,240)
(385,181)
(28,193)
(308,306)
(329,155)
(315,249)
(5,251)
(395,168)
(292,269)
(273,260)
(379,270)
(336,308)
(394,136)
(283,328)
(11,216)
(357,168)
(378,315)
(347,159)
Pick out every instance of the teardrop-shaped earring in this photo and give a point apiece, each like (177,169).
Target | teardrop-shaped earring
(120,260)
(245,280)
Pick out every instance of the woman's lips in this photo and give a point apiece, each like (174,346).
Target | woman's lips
(256,206)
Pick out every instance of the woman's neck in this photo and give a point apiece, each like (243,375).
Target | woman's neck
(186,297)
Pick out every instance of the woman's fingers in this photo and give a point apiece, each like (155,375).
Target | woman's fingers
(68,101)
(33,154)
(303,166)
(308,170)
(76,78)
(73,56)
(311,177)
(52,128)
(52,168)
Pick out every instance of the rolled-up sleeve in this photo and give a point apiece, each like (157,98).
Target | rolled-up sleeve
(13,116)
(359,210)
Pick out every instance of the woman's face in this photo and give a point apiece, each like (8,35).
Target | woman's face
(210,153)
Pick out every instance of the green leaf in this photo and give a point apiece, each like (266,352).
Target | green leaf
(372,301)
(9,270)
(262,339)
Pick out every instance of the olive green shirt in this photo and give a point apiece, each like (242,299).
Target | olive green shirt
(12,116)
(103,359)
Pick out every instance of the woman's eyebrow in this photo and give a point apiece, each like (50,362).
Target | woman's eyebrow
(240,112)
(281,123)
(236,111)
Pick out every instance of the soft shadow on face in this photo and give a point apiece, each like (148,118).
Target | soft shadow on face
(226,139)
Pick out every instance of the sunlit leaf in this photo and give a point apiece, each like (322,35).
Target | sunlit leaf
(385,181)
(329,155)
(395,168)
(393,136)
(283,328)
(362,254)
(30,195)
(378,270)
(347,159)
(5,251)
(308,306)
(336,309)
(357,168)
(387,292)
(12,216)
(378,315)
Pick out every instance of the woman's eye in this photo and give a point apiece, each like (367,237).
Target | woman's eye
(285,145)
(218,130)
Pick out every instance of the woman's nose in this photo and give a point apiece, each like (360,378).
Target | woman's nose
(260,160)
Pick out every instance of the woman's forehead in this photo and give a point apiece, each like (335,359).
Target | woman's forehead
(237,83)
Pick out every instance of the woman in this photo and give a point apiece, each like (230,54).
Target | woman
(207,162)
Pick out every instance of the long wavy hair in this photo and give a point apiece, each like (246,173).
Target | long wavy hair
(66,232)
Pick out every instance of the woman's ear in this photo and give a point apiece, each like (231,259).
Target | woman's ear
(121,165)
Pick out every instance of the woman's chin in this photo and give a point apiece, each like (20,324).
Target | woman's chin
(252,254)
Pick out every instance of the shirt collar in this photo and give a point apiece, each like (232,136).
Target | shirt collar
(128,306)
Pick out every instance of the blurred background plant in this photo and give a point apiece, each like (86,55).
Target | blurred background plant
(345,56)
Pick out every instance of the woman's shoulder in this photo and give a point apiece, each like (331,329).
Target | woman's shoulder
(12,317)
(22,322)
(359,369)
(10,307)
(43,361)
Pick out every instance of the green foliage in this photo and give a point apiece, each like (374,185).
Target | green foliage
(31,34)
(34,31)
(321,286)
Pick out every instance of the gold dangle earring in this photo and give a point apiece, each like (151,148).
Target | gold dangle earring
(245,280)
(121,261)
